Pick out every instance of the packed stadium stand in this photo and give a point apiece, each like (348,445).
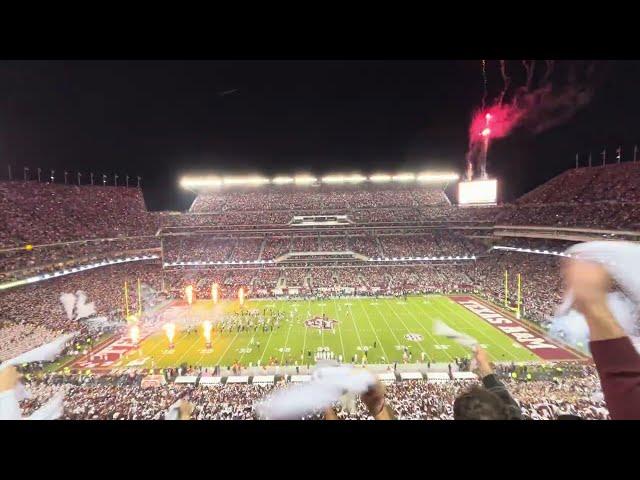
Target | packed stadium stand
(364,240)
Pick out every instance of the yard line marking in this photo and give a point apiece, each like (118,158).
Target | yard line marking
(428,332)
(228,347)
(405,326)
(243,353)
(344,353)
(355,325)
(267,345)
(398,341)
(285,345)
(304,343)
(374,331)
(193,344)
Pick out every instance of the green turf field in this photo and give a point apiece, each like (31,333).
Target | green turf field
(389,322)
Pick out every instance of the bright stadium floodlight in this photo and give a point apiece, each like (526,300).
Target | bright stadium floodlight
(304,179)
(282,180)
(404,177)
(355,178)
(380,178)
(194,182)
(333,179)
(478,192)
(241,180)
(427,177)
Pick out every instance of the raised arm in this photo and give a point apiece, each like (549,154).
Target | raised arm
(616,359)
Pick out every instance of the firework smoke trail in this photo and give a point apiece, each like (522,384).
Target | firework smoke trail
(549,71)
(472,151)
(484,78)
(529,67)
(534,108)
(506,79)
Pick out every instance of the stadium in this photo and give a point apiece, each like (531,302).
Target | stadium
(264,279)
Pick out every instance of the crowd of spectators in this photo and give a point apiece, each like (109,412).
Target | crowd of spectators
(317,199)
(410,400)
(235,249)
(70,225)
(22,263)
(198,248)
(35,311)
(43,213)
(610,183)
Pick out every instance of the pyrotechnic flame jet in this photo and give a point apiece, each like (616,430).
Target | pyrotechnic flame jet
(188,291)
(170,330)
(206,327)
(134,334)
(214,293)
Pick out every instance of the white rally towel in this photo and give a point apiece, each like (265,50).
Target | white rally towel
(51,410)
(44,353)
(326,387)
(622,261)
(173,412)
(9,407)
(443,330)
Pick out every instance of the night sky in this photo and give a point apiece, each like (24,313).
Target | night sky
(160,119)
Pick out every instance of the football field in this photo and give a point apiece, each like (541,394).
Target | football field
(384,327)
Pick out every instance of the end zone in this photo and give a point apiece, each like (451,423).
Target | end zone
(537,343)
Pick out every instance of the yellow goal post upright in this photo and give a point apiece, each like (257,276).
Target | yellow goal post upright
(139,299)
(519,301)
(126,300)
(506,289)
(518,308)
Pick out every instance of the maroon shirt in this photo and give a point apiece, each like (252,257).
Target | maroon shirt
(618,365)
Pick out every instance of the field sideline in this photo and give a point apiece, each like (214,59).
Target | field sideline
(389,323)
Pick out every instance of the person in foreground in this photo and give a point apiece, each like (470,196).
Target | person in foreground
(492,401)
(616,359)
(374,401)
(9,408)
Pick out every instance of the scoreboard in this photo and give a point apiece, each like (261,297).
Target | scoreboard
(478,192)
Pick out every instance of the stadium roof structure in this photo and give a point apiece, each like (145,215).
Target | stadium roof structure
(204,183)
